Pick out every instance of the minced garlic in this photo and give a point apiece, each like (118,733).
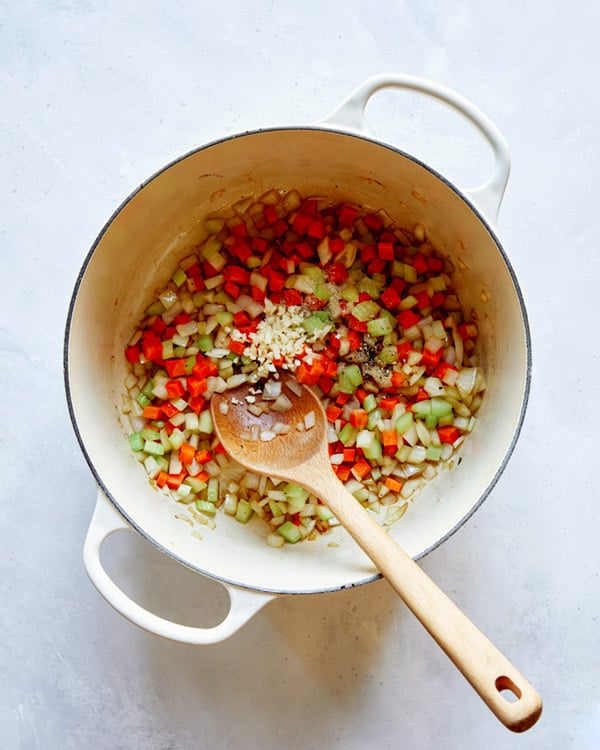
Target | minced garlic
(281,338)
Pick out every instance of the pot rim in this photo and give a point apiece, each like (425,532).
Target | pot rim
(297,128)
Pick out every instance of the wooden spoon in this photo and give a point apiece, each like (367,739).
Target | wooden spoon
(302,457)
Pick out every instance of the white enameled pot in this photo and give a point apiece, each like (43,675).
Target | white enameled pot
(161,222)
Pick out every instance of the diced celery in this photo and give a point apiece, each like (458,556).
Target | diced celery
(179,277)
(204,342)
(205,423)
(156,308)
(323,291)
(196,484)
(388,355)
(176,439)
(244,511)
(433,453)
(205,506)
(369,442)
(289,532)
(422,409)
(275,508)
(212,490)
(380,326)
(371,286)
(349,293)
(408,302)
(152,466)
(369,403)
(168,349)
(230,504)
(373,419)
(142,399)
(348,435)
(149,434)
(211,248)
(366,310)
(294,491)
(314,272)
(224,317)
(315,321)
(404,422)
(322,512)
(214,225)
(136,441)
(154,448)
(350,378)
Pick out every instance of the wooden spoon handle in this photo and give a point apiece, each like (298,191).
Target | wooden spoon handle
(507,693)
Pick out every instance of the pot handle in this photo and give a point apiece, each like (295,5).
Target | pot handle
(243,602)
(351,116)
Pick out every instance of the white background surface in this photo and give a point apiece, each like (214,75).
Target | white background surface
(96,96)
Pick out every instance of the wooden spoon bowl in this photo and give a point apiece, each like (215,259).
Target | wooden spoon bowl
(302,456)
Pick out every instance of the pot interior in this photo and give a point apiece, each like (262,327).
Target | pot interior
(161,222)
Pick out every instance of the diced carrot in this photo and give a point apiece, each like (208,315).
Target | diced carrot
(349,454)
(197,386)
(176,367)
(187,453)
(361,469)
(203,456)
(389,438)
(359,418)
(393,484)
(174,480)
(333,412)
(152,412)
(161,478)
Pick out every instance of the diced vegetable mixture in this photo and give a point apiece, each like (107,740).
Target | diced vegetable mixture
(358,308)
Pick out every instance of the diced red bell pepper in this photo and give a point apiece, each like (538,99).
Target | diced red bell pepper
(336,272)
(174,388)
(316,229)
(373,221)
(169,409)
(151,347)
(292,297)
(430,359)
(233,290)
(347,216)
(132,353)
(448,433)
(390,298)
(237,347)
(204,367)
(386,250)
(408,318)
(423,300)
(419,261)
(368,253)
(239,229)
